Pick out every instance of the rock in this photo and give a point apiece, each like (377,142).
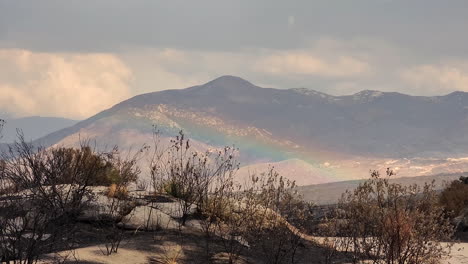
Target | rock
(148,219)
(150,212)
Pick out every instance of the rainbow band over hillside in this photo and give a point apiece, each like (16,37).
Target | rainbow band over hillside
(255,149)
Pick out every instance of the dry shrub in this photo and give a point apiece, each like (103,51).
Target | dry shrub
(189,175)
(390,223)
(118,211)
(264,215)
(45,191)
(107,167)
(112,223)
(276,218)
(117,191)
(171,254)
(454,197)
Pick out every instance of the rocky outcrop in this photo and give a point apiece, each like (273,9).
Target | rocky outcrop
(150,212)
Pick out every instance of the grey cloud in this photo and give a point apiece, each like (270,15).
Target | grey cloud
(337,47)
(432,26)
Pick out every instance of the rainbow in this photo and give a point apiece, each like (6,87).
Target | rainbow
(272,150)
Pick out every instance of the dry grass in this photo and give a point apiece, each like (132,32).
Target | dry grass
(171,254)
(116,191)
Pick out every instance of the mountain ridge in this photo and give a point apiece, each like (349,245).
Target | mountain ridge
(234,82)
(352,132)
(206,96)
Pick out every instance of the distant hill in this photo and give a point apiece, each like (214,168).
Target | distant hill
(33,127)
(331,138)
(330,193)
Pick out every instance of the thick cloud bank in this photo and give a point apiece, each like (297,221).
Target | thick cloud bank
(60,84)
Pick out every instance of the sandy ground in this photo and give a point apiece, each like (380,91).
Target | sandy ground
(166,247)
(172,248)
(141,250)
(459,254)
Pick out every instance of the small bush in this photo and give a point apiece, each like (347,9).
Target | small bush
(390,223)
(116,191)
(173,189)
(454,197)
(106,167)
(189,175)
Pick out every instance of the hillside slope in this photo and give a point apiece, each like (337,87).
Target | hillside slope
(337,137)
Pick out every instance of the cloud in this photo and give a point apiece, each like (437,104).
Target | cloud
(437,79)
(78,85)
(159,69)
(306,63)
(70,85)
(291,21)
(109,25)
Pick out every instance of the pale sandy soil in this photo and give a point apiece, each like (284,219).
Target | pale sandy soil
(164,247)
(459,254)
(172,246)
(150,247)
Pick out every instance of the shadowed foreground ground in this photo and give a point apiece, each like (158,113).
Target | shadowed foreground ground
(188,246)
(165,246)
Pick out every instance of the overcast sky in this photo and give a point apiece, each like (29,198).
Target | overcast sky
(74,58)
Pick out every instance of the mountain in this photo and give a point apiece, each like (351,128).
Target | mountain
(33,127)
(301,131)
